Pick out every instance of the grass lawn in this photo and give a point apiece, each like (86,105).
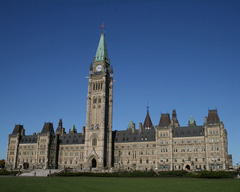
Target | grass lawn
(67,184)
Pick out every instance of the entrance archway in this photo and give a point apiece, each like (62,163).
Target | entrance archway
(94,163)
(187,167)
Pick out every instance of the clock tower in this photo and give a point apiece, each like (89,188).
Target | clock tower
(98,138)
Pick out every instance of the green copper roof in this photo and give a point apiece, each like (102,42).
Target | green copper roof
(102,49)
(73,128)
(192,120)
(130,125)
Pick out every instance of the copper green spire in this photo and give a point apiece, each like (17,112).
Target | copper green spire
(192,122)
(102,54)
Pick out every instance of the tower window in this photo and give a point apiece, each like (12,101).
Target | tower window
(94,142)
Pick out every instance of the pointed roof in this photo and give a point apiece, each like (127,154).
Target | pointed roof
(148,122)
(174,116)
(192,122)
(73,129)
(164,120)
(101,53)
(48,128)
(130,125)
(213,116)
(17,129)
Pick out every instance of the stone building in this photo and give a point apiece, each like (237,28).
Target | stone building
(166,146)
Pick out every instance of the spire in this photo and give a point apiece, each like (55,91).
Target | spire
(192,122)
(101,53)
(73,129)
(60,130)
(174,118)
(148,122)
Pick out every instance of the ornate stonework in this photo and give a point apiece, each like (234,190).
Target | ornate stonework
(166,146)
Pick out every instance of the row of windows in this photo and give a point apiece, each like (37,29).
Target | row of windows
(62,148)
(215,132)
(165,134)
(95,100)
(189,149)
(25,147)
(163,142)
(189,141)
(214,148)
(212,140)
(27,153)
(135,146)
(97,86)
(71,154)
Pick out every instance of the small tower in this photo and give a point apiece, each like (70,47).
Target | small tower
(174,118)
(148,122)
(60,130)
(191,122)
(73,129)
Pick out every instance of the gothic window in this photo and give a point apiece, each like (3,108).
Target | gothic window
(161,159)
(99,100)
(94,142)
(94,86)
(140,161)
(94,100)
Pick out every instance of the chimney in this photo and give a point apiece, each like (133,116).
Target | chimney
(83,130)
(140,127)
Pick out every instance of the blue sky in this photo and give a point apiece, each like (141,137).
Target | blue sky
(181,55)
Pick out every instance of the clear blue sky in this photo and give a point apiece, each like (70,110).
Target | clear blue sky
(178,54)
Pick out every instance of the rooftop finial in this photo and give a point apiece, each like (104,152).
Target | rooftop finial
(147,107)
(102,27)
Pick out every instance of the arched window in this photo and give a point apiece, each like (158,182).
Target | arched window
(94,142)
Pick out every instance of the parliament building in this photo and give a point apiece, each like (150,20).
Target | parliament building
(166,146)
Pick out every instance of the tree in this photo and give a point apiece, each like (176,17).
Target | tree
(2,163)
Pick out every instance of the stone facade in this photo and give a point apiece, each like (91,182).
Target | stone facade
(166,146)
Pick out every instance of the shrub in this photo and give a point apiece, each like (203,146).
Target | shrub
(5,172)
(214,174)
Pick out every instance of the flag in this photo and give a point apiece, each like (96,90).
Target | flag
(74,159)
(102,25)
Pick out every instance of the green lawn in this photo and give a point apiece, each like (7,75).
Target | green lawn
(105,184)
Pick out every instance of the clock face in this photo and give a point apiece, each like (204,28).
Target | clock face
(98,68)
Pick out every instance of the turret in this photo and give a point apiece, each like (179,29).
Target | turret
(73,129)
